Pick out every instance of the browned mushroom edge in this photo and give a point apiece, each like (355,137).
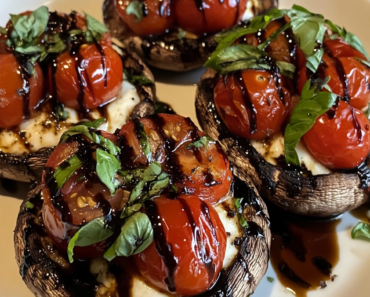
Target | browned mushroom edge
(29,167)
(166,51)
(292,190)
(46,272)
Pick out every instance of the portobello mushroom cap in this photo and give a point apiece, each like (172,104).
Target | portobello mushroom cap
(29,167)
(292,190)
(48,273)
(166,51)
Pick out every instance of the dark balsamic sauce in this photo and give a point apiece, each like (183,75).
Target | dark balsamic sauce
(303,251)
(24,92)
(164,248)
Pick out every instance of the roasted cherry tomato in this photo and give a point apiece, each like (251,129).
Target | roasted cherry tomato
(189,245)
(157,17)
(202,171)
(342,141)
(340,49)
(82,198)
(208,16)
(19,93)
(250,104)
(95,76)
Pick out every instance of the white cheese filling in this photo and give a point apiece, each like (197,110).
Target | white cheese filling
(42,131)
(274,148)
(142,289)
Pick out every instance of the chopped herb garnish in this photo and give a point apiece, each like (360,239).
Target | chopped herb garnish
(203,141)
(361,231)
(135,8)
(63,173)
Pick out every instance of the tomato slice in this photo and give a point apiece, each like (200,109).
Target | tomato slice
(157,17)
(19,95)
(250,104)
(342,141)
(189,245)
(202,171)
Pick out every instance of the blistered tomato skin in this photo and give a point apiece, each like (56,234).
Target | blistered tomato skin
(157,17)
(341,49)
(208,16)
(342,142)
(189,245)
(12,95)
(101,83)
(203,171)
(250,104)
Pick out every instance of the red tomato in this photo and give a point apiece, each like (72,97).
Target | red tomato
(342,142)
(328,68)
(341,49)
(255,94)
(156,20)
(200,171)
(12,85)
(82,198)
(208,16)
(96,89)
(189,245)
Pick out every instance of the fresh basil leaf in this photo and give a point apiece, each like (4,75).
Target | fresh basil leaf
(3,31)
(137,80)
(29,205)
(30,49)
(135,8)
(63,173)
(94,25)
(242,222)
(158,186)
(106,167)
(162,107)
(314,61)
(366,63)
(203,141)
(75,32)
(130,210)
(151,173)
(181,34)
(80,129)
(361,231)
(312,105)
(270,279)
(273,36)
(143,140)
(286,69)
(136,235)
(107,144)
(237,203)
(93,232)
(238,57)
(60,112)
(136,192)
(94,124)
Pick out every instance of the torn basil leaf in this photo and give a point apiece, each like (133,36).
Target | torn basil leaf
(93,232)
(181,34)
(286,69)
(137,79)
(60,112)
(203,141)
(313,103)
(270,279)
(136,235)
(65,171)
(314,60)
(80,129)
(94,25)
(361,231)
(106,167)
(94,124)
(162,107)
(239,209)
(106,143)
(130,210)
(135,8)
(143,138)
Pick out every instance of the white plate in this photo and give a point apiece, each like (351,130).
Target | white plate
(179,91)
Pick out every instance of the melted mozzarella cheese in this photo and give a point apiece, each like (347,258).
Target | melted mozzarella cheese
(140,288)
(274,148)
(43,131)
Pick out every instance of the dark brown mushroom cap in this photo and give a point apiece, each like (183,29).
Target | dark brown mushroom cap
(29,167)
(166,51)
(320,195)
(47,273)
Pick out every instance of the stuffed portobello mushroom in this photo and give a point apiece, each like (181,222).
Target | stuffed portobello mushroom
(151,210)
(287,97)
(57,70)
(176,35)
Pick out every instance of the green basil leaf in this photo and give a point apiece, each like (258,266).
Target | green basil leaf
(203,141)
(63,173)
(107,144)
(80,129)
(136,192)
(106,167)
(3,31)
(94,25)
(60,113)
(237,203)
(158,186)
(135,8)
(162,107)
(93,232)
(30,49)
(144,141)
(314,61)
(75,32)
(136,235)
(242,221)
(312,105)
(181,34)
(29,205)
(366,63)
(94,124)
(273,36)
(130,210)
(270,279)
(361,231)
(137,80)
(151,173)
(286,69)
